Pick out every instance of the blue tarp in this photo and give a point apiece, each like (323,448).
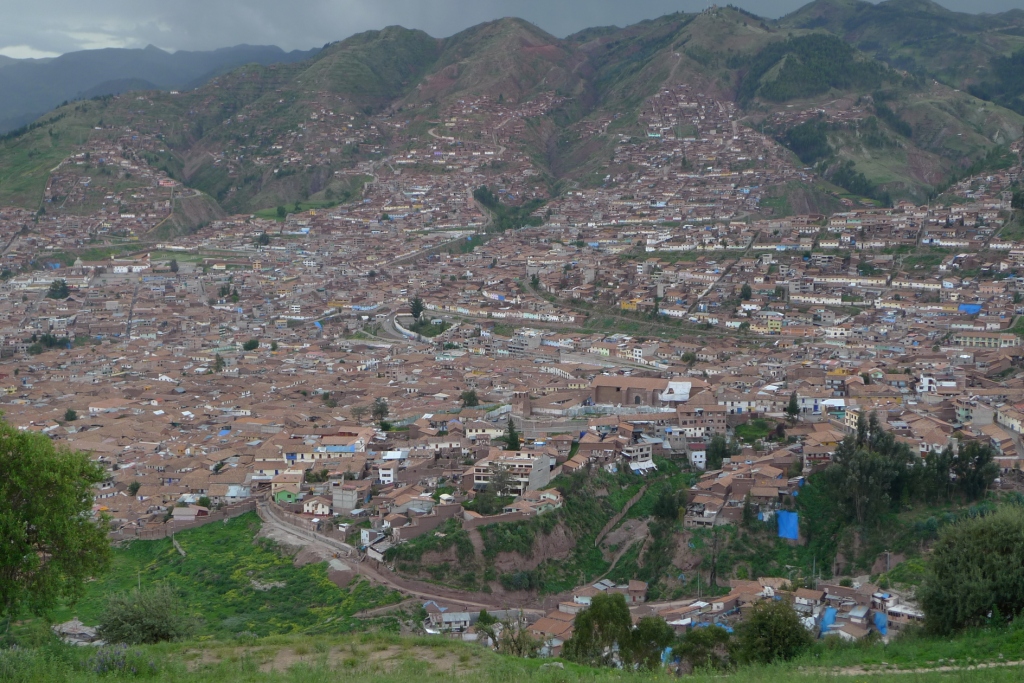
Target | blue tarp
(882,623)
(970,309)
(828,619)
(789,524)
(224,432)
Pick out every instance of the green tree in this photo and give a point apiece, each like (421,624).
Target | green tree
(204,501)
(358,412)
(749,516)
(645,643)
(58,290)
(746,292)
(133,488)
(380,409)
(469,399)
(174,265)
(218,363)
(976,567)
(975,469)
(598,629)
(262,240)
(273,346)
(251,345)
(771,633)
(667,504)
(717,452)
(152,615)
(282,212)
(417,307)
(49,543)
(704,648)
(793,407)
(70,415)
(512,442)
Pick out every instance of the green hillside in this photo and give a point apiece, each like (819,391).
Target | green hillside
(232,584)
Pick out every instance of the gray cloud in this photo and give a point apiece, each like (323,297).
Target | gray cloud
(56,26)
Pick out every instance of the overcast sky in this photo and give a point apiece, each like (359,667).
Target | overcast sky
(46,28)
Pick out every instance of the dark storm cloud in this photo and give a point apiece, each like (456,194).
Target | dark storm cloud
(51,27)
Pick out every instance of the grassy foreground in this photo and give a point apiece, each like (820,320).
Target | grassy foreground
(382,658)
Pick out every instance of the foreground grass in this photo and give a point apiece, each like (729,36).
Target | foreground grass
(231,584)
(381,659)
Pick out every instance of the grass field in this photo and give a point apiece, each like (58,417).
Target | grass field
(222,580)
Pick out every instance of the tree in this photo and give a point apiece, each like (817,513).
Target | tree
(174,265)
(273,346)
(717,452)
(746,292)
(597,629)
(204,501)
(645,643)
(704,648)
(535,281)
(358,412)
(58,290)
(70,415)
(151,615)
(417,307)
(975,469)
(263,239)
(133,488)
(667,504)
(218,363)
(749,516)
(49,544)
(380,409)
(976,568)
(282,212)
(251,345)
(511,436)
(469,399)
(793,407)
(501,480)
(772,633)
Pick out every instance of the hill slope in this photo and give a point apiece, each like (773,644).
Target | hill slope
(32,87)
(578,98)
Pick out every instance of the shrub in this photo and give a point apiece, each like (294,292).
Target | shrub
(152,615)
(772,633)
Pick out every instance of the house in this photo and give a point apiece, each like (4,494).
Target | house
(189,513)
(317,506)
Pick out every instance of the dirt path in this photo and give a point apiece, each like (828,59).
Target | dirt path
(862,671)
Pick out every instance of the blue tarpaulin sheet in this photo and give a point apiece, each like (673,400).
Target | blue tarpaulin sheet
(882,623)
(969,309)
(828,619)
(789,524)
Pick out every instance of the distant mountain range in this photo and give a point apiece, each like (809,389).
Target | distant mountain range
(31,87)
(942,93)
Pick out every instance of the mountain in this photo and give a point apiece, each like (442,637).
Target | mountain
(812,81)
(32,87)
(919,36)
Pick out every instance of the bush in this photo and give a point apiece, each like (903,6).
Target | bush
(152,615)
(772,633)
(976,568)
